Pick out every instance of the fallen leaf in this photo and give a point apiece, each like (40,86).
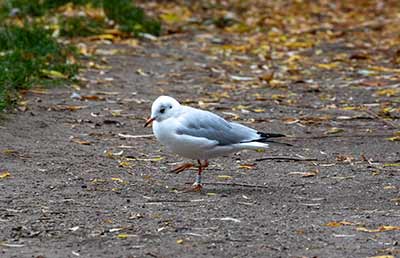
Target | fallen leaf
(227,219)
(329,66)
(102,37)
(38,91)
(374,83)
(4,174)
(389,187)
(67,107)
(338,224)
(388,92)
(345,158)
(117,179)
(9,151)
(242,78)
(380,229)
(334,130)
(11,245)
(179,241)
(125,164)
(122,236)
(224,177)
(395,138)
(391,165)
(82,142)
(53,74)
(92,97)
(304,174)
(247,166)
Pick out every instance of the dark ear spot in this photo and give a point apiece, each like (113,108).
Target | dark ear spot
(162,110)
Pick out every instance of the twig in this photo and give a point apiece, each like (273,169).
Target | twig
(287,158)
(164,201)
(231,184)
(390,123)
(338,135)
(135,136)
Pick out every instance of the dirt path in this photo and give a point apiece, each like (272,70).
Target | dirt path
(79,188)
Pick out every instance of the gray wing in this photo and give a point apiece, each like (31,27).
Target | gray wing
(199,123)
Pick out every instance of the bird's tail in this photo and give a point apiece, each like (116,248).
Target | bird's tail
(265,139)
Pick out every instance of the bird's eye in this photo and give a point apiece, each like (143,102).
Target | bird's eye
(162,110)
(170,106)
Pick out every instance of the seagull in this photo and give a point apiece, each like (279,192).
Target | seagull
(201,135)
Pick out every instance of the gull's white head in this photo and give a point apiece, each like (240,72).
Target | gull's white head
(163,108)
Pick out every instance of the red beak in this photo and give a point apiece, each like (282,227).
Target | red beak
(149,121)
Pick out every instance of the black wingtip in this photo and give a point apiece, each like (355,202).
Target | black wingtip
(270,135)
(280,143)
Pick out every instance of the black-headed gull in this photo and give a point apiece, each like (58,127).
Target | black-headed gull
(201,135)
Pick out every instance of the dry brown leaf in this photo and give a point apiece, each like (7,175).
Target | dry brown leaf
(92,97)
(67,107)
(82,142)
(338,223)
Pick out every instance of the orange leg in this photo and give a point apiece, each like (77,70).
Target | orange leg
(182,168)
(197,184)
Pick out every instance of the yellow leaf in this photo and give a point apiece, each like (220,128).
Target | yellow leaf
(278,97)
(391,165)
(39,91)
(211,194)
(122,236)
(389,187)
(68,107)
(247,166)
(9,151)
(382,256)
(53,74)
(334,130)
(349,108)
(179,241)
(175,15)
(124,164)
(259,110)
(102,36)
(150,159)
(117,179)
(338,223)
(224,177)
(4,174)
(380,229)
(388,92)
(329,66)
(385,69)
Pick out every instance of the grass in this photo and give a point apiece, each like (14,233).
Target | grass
(30,55)
(26,56)
(129,18)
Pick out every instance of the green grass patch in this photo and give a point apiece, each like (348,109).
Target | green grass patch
(27,54)
(30,55)
(129,18)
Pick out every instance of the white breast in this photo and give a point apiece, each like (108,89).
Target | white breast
(186,145)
